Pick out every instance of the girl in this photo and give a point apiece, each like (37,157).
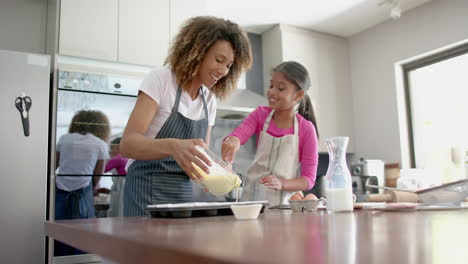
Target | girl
(117,165)
(286,139)
(175,111)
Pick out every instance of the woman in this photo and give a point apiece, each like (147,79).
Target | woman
(175,111)
(286,139)
(82,151)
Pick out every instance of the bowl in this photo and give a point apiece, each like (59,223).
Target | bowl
(247,211)
(305,205)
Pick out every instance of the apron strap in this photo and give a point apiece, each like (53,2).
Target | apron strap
(205,107)
(177,100)
(72,201)
(270,116)
(296,125)
(267,121)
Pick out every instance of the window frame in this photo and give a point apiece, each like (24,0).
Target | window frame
(420,63)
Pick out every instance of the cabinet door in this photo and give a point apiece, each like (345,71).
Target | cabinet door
(88,28)
(182,10)
(143,31)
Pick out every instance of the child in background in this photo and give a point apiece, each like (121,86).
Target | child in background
(287,140)
(117,165)
(117,162)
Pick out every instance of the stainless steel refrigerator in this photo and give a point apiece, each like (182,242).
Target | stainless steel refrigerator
(24,104)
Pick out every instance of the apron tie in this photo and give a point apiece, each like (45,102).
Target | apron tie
(72,201)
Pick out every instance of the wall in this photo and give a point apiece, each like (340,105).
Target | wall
(326,57)
(52,29)
(372,57)
(254,77)
(272,53)
(327,60)
(23,25)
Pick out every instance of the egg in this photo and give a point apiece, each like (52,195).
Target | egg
(300,194)
(310,196)
(295,197)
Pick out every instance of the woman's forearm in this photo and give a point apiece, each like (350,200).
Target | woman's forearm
(134,144)
(139,147)
(296,184)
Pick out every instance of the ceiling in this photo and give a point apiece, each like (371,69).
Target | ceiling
(338,17)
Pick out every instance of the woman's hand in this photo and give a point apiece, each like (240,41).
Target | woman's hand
(229,148)
(185,153)
(272,182)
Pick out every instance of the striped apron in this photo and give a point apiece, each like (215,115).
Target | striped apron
(163,181)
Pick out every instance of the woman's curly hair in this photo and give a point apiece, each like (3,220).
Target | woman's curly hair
(89,121)
(194,40)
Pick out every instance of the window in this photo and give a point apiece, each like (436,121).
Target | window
(437,103)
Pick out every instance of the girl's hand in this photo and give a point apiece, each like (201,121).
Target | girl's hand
(184,153)
(272,182)
(229,148)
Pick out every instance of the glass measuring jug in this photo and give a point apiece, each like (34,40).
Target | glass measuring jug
(221,179)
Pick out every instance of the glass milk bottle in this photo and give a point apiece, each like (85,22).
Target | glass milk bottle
(339,187)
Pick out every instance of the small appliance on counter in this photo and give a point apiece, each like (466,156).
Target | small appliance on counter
(360,189)
(367,171)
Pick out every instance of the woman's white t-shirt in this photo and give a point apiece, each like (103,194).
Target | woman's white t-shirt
(78,156)
(161,85)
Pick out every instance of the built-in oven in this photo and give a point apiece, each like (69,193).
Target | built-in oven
(111,93)
(90,86)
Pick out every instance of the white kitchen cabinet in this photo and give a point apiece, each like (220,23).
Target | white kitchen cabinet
(143,31)
(181,10)
(326,57)
(127,31)
(89,28)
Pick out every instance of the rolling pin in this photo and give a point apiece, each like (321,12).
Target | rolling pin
(394,197)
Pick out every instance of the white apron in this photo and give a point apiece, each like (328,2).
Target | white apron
(277,156)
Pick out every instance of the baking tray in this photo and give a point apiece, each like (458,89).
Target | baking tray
(419,207)
(288,207)
(453,192)
(196,209)
(449,193)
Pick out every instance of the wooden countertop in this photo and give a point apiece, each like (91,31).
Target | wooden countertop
(277,236)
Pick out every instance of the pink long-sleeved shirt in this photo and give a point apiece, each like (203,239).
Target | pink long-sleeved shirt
(117,162)
(308,143)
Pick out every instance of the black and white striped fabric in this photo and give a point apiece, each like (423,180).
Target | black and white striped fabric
(163,181)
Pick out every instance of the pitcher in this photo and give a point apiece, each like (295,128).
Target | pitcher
(339,184)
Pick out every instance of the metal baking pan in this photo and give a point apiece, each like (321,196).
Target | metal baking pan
(196,209)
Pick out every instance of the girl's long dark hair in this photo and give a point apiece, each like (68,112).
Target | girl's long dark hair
(298,74)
